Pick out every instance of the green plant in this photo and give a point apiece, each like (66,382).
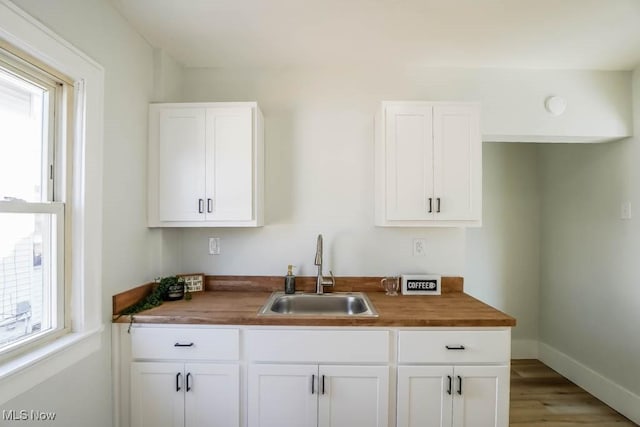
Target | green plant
(154,299)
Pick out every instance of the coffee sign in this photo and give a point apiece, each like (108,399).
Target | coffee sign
(420,284)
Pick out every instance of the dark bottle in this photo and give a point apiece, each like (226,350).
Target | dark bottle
(289,281)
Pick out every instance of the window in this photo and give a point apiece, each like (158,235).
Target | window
(77,194)
(33,293)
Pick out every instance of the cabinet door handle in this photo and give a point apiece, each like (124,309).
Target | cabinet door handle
(438,204)
(313,382)
(200,205)
(178,375)
(323,384)
(459,384)
(430,205)
(449,385)
(454,347)
(183,345)
(209,205)
(188,383)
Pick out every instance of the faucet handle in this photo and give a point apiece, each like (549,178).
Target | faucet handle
(333,279)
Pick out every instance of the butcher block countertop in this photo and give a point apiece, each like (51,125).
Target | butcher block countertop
(236,300)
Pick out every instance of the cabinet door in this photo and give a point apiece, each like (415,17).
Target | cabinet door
(481,396)
(212,395)
(229,160)
(181,170)
(353,396)
(409,162)
(157,395)
(282,395)
(457,162)
(425,396)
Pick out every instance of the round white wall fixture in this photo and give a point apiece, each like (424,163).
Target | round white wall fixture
(555,105)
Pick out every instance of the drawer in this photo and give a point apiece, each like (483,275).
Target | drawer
(454,346)
(185,343)
(318,346)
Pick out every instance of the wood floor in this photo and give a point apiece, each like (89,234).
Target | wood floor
(542,397)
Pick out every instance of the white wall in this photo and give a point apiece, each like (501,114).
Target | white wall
(599,102)
(168,80)
(81,395)
(319,175)
(319,179)
(502,257)
(168,77)
(319,149)
(589,297)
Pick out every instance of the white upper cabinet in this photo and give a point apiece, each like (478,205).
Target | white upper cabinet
(457,165)
(428,169)
(408,163)
(206,165)
(180,179)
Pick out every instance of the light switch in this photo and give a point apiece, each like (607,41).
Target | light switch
(419,247)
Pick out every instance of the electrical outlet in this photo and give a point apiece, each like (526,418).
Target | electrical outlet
(419,247)
(214,246)
(625,210)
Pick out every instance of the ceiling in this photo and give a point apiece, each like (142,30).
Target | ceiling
(551,34)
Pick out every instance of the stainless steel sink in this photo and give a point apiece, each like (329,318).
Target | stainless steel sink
(351,304)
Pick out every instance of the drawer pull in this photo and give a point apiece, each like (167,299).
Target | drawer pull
(454,347)
(183,345)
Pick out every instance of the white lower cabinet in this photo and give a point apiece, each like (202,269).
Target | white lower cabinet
(318,395)
(456,378)
(353,396)
(443,396)
(199,376)
(481,396)
(155,398)
(184,376)
(184,395)
(282,395)
(422,400)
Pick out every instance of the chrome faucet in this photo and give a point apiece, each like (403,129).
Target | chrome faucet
(321,282)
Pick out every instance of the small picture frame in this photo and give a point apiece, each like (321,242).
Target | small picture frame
(193,282)
(420,284)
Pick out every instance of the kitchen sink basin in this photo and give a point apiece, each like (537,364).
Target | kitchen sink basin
(350,304)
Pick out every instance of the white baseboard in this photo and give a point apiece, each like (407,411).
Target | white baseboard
(524,349)
(614,395)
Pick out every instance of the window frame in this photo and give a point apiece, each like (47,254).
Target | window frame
(55,142)
(83,224)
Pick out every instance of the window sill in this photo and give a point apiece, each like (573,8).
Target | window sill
(24,372)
